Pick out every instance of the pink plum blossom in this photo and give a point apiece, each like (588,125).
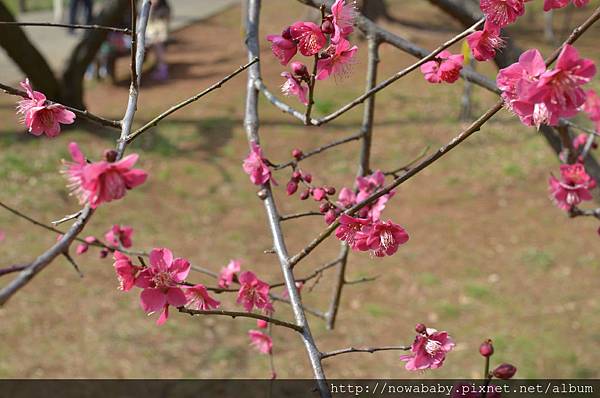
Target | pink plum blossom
(484,43)
(261,341)
(294,87)
(198,298)
(502,12)
(103,181)
(126,271)
(41,117)
(560,89)
(309,37)
(428,351)
(319,194)
(517,83)
(381,238)
(119,236)
(366,187)
(227,273)
(445,67)
(161,282)
(348,229)
(256,167)
(573,188)
(338,60)
(253,292)
(283,46)
(343,19)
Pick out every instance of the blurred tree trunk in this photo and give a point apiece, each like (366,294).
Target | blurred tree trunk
(509,55)
(22,6)
(549,35)
(27,57)
(69,89)
(374,9)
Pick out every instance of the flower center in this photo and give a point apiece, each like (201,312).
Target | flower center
(162,279)
(432,347)
(387,239)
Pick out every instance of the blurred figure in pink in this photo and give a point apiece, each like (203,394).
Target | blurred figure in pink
(157,35)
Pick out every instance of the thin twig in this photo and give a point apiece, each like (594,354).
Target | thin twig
(13,268)
(235,314)
(70,26)
(292,216)
(318,150)
(369,350)
(73,263)
(175,108)
(407,165)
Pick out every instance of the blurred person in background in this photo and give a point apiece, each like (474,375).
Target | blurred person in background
(74,6)
(157,34)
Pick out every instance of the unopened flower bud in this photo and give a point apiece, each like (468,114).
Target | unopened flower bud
(305,194)
(292,187)
(103,253)
(287,34)
(299,69)
(329,190)
(262,194)
(261,324)
(486,348)
(504,371)
(297,154)
(110,155)
(330,216)
(319,194)
(296,176)
(324,207)
(307,178)
(327,27)
(420,328)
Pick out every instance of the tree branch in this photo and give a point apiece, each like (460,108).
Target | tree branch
(370,350)
(235,314)
(71,26)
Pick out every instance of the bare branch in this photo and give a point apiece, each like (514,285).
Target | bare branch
(370,350)
(235,314)
(70,26)
(292,216)
(13,268)
(318,150)
(258,83)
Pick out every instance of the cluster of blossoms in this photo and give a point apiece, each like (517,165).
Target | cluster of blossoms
(104,181)
(542,96)
(445,67)
(40,116)
(327,43)
(163,284)
(366,231)
(555,4)
(116,237)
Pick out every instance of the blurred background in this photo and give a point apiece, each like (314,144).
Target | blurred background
(489,254)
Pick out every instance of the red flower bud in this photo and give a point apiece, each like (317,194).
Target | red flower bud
(330,216)
(420,328)
(287,34)
(296,176)
(504,371)
(318,194)
(110,155)
(299,69)
(324,207)
(292,187)
(327,27)
(304,195)
(329,190)
(297,154)
(307,178)
(486,348)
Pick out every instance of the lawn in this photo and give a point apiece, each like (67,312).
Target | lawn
(489,255)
